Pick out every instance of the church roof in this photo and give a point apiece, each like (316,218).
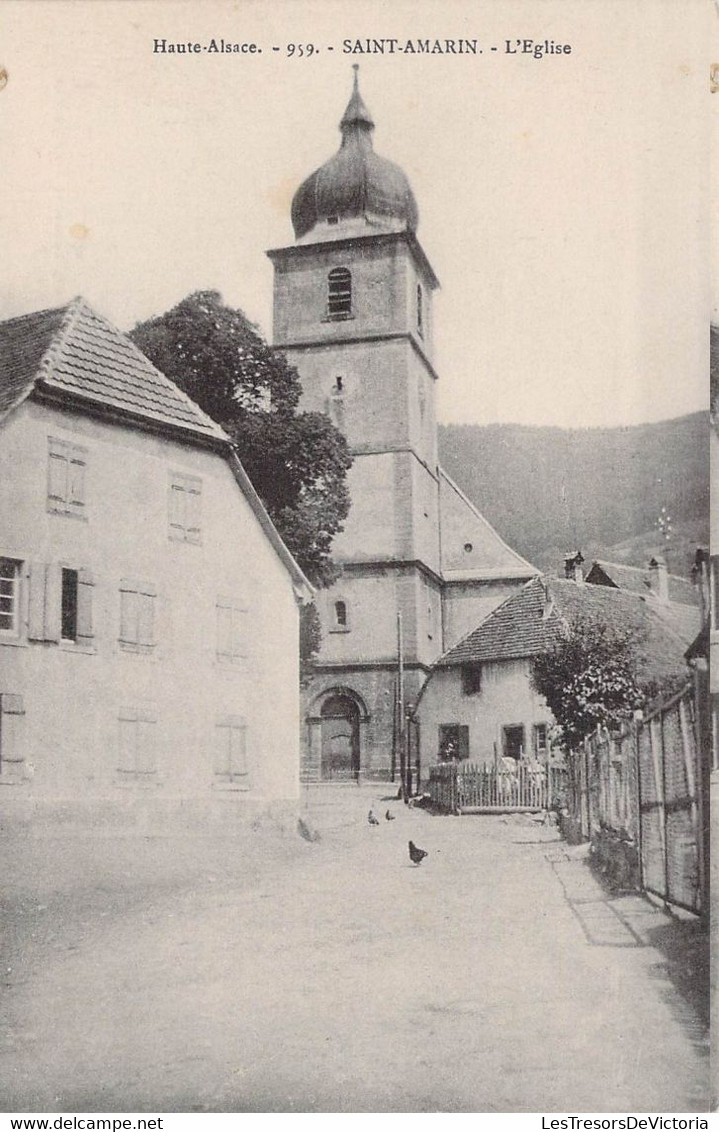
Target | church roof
(471,549)
(72,351)
(534,618)
(355,182)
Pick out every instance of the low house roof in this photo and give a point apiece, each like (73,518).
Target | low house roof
(73,353)
(74,356)
(638,580)
(534,618)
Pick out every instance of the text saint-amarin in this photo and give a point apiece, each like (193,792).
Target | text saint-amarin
(410,47)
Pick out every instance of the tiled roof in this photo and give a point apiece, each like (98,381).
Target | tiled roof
(637,580)
(533,618)
(74,351)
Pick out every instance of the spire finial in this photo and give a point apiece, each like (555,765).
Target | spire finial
(356,113)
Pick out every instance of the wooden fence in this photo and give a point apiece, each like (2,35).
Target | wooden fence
(646,783)
(462,788)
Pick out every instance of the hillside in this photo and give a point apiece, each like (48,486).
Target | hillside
(549,490)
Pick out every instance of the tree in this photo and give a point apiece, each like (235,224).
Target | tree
(297,461)
(590,677)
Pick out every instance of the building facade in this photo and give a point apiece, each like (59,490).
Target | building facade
(479,702)
(419,566)
(148,609)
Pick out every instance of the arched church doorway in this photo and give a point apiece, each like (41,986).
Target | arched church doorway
(340,722)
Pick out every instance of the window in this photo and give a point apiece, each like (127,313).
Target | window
(66,478)
(540,741)
(137,757)
(231,631)
(339,384)
(340,617)
(714,590)
(9,597)
(230,761)
(68,605)
(471,679)
(60,604)
(339,291)
(12,767)
(137,616)
(420,311)
(185,507)
(513,741)
(453,741)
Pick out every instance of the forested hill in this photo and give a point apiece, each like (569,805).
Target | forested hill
(549,490)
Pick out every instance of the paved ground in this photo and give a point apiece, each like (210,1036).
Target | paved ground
(265,973)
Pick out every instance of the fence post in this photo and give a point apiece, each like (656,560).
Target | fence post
(636,728)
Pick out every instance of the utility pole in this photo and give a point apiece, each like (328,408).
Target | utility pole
(400,710)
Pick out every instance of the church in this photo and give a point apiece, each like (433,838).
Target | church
(419,566)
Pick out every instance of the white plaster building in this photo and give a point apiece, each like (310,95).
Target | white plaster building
(148,607)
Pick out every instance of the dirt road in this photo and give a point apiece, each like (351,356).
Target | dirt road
(265,973)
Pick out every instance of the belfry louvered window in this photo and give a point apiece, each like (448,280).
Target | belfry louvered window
(339,291)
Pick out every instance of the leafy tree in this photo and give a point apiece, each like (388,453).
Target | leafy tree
(310,640)
(590,677)
(297,461)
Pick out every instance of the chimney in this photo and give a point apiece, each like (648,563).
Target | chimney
(573,567)
(547,602)
(659,579)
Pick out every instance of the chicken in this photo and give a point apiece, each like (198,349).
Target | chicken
(389,816)
(304,831)
(372,819)
(416,855)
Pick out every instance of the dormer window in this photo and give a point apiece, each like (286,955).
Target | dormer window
(420,311)
(333,219)
(339,291)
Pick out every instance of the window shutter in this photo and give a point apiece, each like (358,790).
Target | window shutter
(146,620)
(85,585)
(145,755)
(57,477)
(177,509)
(127,738)
(238,751)
(463,736)
(11,746)
(193,507)
(36,606)
(224,629)
(239,632)
(129,613)
(76,481)
(53,602)
(222,758)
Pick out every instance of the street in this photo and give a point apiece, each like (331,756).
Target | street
(266,973)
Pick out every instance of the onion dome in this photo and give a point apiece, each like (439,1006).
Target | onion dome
(356,182)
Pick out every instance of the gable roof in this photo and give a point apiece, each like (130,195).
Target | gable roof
(535,617)
(75,354)
(638,580)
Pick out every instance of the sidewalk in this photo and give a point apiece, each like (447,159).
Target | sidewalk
(280,975)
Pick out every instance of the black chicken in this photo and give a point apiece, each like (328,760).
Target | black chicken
(389,816)
(416,855)
(372,819)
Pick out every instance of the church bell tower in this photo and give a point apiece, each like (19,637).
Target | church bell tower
(353,312)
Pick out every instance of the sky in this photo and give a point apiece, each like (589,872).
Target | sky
(564,200)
